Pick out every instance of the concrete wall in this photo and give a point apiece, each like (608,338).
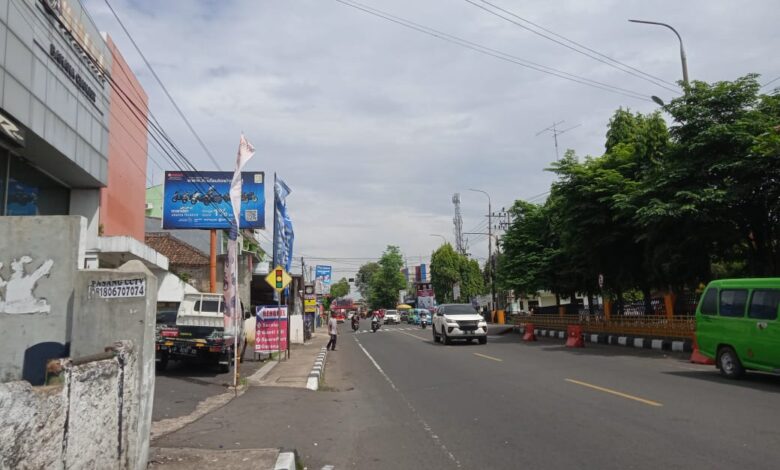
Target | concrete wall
(100,320)
(122,203)
(89,419)
(39,257)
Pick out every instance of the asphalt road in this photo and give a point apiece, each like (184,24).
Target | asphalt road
(183,384)
(395,399)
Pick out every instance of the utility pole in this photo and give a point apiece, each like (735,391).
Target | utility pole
(491,261)
(555,132)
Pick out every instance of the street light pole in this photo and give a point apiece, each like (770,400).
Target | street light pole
(683,58)
(440,236)
(490,248)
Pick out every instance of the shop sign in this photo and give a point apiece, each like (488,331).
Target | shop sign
(11,130)
(71,72)
(118,289)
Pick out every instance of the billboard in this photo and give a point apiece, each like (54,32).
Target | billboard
(271,329)
(201,200)
(323,274)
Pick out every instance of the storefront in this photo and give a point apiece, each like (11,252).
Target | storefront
(54,110)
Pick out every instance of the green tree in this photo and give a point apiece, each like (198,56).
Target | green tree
(339,289)
(448,268)
(388,280)
(363,278)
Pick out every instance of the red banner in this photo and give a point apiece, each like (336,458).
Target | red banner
(271,329)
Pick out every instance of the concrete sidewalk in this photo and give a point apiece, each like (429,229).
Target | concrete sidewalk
(294,372)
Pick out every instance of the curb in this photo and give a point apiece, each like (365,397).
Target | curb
(313,382)
(638,342)
(286,460)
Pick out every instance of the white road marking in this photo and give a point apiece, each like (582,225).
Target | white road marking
(424,424)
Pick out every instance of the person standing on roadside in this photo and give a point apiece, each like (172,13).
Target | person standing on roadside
(333,331)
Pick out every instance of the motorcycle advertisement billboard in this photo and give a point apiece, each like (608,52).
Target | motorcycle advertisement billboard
(323,274)
(201,200)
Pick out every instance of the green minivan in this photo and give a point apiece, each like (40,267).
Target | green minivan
(737,325)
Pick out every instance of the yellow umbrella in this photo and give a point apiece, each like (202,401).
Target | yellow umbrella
(403,307)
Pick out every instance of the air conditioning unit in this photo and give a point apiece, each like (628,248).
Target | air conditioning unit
(149,206)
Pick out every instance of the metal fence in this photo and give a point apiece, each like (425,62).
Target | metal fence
(658,326)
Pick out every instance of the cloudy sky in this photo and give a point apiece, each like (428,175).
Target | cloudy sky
(374,126)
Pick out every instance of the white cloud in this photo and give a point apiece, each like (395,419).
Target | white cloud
(374,126)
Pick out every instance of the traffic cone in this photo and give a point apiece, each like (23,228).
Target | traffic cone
(699,358)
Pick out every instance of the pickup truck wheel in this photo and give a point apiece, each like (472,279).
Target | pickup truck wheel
(162,364)
(435,336)
(483,340)
(447,339)
(225,368)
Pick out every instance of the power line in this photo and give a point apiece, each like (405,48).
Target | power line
(149,66)
(770,82)
(647,77)
(493,52)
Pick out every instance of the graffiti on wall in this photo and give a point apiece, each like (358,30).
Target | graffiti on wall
(19,297)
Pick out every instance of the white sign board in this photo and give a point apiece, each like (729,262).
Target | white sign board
(119,288)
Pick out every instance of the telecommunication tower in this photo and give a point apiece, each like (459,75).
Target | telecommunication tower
(460,243)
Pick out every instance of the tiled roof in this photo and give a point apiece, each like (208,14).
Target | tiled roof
(177,251)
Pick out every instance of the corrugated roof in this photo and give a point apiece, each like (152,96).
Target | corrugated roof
(178,252)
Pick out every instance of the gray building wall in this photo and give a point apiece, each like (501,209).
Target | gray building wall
(67,133)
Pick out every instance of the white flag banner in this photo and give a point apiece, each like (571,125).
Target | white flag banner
(245,152)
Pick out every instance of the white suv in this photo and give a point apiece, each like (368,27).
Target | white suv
(392,316)
(458,321)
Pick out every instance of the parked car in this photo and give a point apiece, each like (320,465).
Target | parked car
(458,321)
(392,317)
(737,325)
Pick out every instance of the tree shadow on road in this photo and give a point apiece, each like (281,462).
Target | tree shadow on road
(752,380)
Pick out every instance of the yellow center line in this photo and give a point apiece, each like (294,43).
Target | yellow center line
(615,392)
(489,357)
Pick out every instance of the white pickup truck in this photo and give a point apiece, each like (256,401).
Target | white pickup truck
(199,332)
(458,321)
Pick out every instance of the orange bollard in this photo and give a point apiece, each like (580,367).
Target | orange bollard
(699,358)
(528,334)
(574,337)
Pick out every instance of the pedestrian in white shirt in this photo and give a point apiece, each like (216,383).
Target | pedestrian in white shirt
(333,331)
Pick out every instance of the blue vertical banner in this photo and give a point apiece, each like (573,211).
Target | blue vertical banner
(284,236)
(423,273)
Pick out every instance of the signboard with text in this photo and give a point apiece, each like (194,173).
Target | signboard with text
(323,275)
(201,200)
(271,329)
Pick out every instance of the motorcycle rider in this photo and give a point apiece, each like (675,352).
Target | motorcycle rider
(355,321)
(376,321)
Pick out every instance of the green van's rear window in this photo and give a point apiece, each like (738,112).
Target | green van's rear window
(732,302)
(764,303)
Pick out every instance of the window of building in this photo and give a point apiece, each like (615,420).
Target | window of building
(764,303)
(28,191)
(732,302)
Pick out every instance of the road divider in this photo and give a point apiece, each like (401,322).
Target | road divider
(615,392)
